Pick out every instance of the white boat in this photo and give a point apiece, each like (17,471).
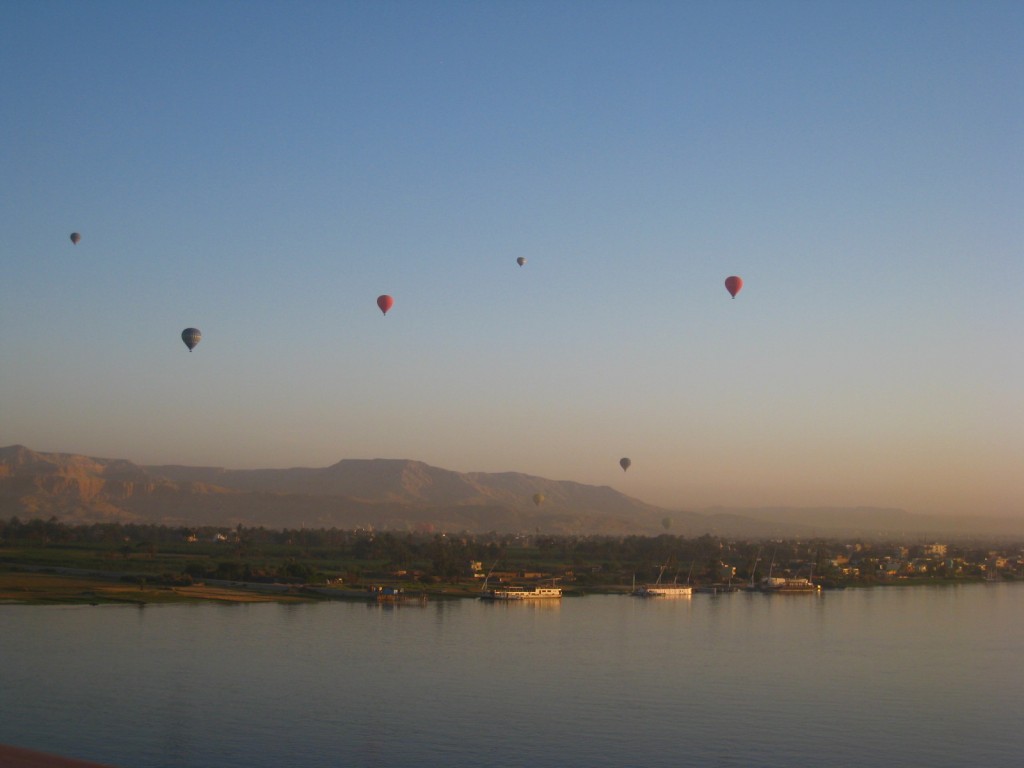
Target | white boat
(663,590)
(517,593)
(789,584)
(521,593)
(657,589)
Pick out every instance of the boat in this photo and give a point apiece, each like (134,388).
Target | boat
(657,589)
(389,594)
(516,593)
(789,584)
(663,590)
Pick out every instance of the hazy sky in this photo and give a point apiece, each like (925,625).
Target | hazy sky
(264,170)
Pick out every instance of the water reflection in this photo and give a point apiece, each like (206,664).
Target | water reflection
(740,679)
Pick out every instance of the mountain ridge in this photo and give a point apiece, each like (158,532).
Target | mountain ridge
(405,494)
(395,493)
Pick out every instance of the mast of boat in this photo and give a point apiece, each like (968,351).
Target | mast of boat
(483,587)
(753,570)
(661,571)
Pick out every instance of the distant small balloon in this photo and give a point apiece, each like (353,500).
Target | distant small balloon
(625,464)
(191,337)
(733,285)
(75,237)
(538,499)
(385,303)
(520,261)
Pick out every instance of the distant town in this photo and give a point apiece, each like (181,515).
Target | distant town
(445,564)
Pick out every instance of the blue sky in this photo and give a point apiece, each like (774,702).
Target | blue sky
(263,171)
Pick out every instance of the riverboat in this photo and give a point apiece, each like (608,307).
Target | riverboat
(657,589)
(663,590)
(389,594)
(787,584)
(516,593)
(778,584)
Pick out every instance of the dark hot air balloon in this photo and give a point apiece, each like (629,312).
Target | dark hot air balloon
(191,337)
(385,303)
(520,261)
(733,285)
(75,237)
(625,464)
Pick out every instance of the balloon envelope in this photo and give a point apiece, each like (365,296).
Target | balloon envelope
(385,303)
(538,499)
(733,285)
(75,237)
(625,464)
(520,261)
(191,337)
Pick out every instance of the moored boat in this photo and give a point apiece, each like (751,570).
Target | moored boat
(790,584)
(390,594)
(778,584)
(663,590)
(657,589)
(516,593)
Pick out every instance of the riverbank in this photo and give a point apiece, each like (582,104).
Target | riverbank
(29,588)
(35,585)
(74,587)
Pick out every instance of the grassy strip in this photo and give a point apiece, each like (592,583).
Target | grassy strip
(57,589)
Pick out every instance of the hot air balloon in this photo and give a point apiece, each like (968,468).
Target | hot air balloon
(538,499)
(624,463)
(385,303)
(75,237)
(520,261)
(191,337)
(733,285)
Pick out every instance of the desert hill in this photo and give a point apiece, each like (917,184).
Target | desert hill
(384,493)
(403,481)
(399,494)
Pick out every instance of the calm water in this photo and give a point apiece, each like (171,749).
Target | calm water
(880,677)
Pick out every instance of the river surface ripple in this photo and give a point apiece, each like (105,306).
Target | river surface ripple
(860,677)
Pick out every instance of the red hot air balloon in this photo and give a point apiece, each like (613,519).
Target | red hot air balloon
(733,285)
(75,237)
(385,303)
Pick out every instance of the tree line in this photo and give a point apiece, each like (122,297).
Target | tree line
(308,554)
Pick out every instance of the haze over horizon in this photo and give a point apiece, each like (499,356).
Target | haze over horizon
(264,174)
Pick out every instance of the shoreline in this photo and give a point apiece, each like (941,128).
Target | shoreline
(27,585)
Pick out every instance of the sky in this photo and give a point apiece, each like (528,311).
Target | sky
(263,171)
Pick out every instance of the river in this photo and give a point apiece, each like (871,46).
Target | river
(861,677)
